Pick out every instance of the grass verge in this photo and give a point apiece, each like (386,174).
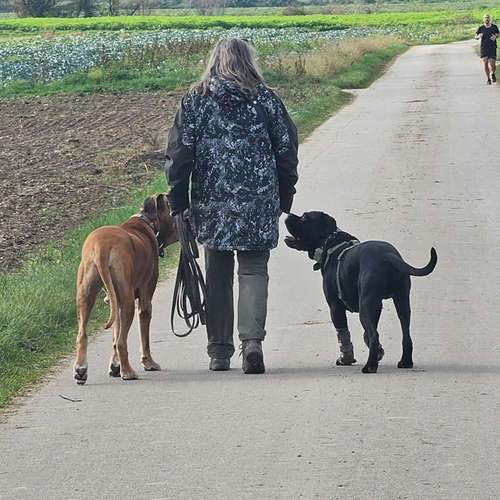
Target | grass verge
(37,307)
(363,72)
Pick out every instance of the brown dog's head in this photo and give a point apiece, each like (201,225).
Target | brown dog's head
(309,231)
(157,209)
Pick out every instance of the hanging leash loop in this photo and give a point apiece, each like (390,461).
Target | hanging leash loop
(190,291)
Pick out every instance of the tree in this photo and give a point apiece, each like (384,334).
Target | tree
(113,7)
(86,7)
(209,7)
(4,6)
(33,8)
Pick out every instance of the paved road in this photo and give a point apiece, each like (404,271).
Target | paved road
(413,160)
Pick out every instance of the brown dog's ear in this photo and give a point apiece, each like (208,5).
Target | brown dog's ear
(149,207)
(161,202)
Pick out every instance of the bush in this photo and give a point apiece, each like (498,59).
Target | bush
(294,10)
(330,9)
(210,7)
(96,74)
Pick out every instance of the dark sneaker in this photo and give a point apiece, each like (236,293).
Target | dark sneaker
(346,358)
(488,82)
(493,77)
(219,364)
(253,357)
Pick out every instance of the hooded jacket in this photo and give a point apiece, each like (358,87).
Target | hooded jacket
(239,150)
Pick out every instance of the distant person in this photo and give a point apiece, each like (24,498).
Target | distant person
(234,147)
(488,34)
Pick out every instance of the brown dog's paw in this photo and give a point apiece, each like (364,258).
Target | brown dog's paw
(131,375)
(369,369)
(80,374)
(405,364)
(150,366)
(114,370)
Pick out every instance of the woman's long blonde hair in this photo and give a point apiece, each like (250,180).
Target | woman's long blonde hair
(232,59)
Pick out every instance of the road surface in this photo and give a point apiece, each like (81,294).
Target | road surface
(413,160)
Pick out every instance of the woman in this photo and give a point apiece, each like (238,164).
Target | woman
(488,34)
(234,143)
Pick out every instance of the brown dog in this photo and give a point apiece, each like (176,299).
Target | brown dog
(124,261)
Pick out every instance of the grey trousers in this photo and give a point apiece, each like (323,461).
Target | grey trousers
(253,280)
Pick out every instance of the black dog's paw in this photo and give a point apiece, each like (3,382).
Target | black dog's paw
(381,352)
(405,364)
(369,369)
(345,359)
(114,370)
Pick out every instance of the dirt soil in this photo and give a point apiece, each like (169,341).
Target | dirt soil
(65,158)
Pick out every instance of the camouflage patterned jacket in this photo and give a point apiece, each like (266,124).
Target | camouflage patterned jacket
(240,153)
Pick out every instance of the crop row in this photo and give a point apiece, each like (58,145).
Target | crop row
(312,22)
(44,59)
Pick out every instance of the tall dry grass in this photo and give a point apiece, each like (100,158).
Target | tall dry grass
(326,60)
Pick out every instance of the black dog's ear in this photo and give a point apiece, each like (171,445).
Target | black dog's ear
(329,223)
(149,207)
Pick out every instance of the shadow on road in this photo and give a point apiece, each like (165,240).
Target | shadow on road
(319,372)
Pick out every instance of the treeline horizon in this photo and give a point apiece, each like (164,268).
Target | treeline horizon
(90,8)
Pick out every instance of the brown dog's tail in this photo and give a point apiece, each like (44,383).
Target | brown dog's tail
(101,262)
(405,268)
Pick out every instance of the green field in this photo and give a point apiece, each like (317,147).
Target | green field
(315,21)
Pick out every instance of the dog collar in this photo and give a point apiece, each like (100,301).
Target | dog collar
(151,224)
(148,221)
(323,254)
(320,254)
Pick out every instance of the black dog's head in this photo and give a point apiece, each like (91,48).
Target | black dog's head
(309,231)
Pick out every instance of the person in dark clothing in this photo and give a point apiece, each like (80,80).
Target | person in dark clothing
(233,148)
(488,34)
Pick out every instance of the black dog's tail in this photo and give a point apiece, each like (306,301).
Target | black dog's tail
(405,268)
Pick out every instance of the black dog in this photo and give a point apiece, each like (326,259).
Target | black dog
(357,277)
